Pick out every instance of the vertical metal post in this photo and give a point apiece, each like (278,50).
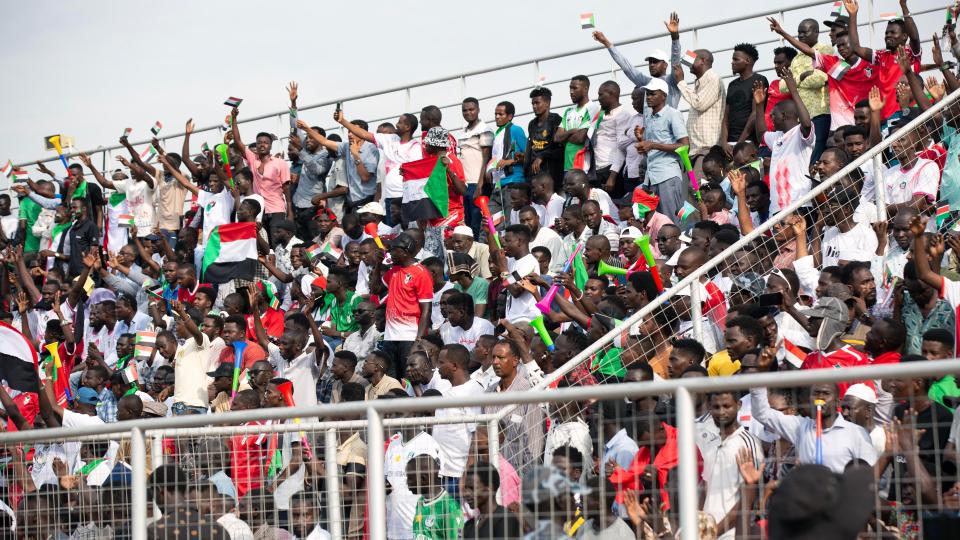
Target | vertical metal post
(376,485)
(880,186)
(696,38)
(156,451)
(493,438)
(463,87)
(536,75)
(696,311)
(687,450)
(138,499)
(870,7)
(333,483)
(407,100)
(783,21)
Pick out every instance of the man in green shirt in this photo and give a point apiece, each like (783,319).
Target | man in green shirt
(340,302)
(30,211)
(938,344)
(574,129)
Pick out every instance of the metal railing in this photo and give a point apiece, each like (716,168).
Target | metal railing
(868,21)
(683,389)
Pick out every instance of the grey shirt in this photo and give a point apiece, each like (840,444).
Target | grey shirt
(313,176)
(370,157)
(666,127)
(639,78)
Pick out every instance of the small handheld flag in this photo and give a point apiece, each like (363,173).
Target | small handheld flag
(587,21)
(145,338)
(890,17)
(204,148)
(20,175)
(148,152)
(127,132)
(130,375)
(7,168)
(142,352)
(688,58)
(943,213)
(233,101)
(156,128)
(837,9)
(687,210)
(125,220)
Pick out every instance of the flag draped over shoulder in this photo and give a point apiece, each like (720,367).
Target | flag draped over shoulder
(425,193)
(231,253)
(18,360)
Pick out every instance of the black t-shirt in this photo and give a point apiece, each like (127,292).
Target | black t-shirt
(936,421)
(540,145)
(501,524)
(740,102)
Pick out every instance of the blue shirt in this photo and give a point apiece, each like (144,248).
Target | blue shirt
(950,182)
(370,157)
(665,127)
(313,176)
(518,144)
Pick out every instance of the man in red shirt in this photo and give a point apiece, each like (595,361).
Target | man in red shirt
(189,285)
(247,450)
(234,331)
(409,300)
(897,34)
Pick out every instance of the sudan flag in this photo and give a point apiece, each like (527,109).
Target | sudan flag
(18,360)
(425,193)
(231,253)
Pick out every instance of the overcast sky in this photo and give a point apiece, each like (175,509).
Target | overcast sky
(89,69)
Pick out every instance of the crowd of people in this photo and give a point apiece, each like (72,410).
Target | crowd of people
(413,260)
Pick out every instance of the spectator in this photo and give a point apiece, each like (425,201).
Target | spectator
(707,103)
(609,155)
(375,372)
(574,131)
(545,155)
(524,439)
(739,118)
(475,145)
(462,326)
(663,132)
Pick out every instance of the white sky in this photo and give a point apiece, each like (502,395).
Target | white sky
(89,69)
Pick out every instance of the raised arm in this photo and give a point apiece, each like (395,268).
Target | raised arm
(331,146)
(949,77)
(635,76)
(759,100)
(738,186)
(320,348)
(254,295)
(162,158)
(135,158)
(852,7)
(185,150)
(794,42)
(187,321)
(235,131)
(910,26)
(142,251)
(96,172)
(805,124)
(925,273)
(354,129)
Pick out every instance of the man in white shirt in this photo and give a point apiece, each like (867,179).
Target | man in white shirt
(190,364)
(844,239)
(462,326)
(544,237)
(422,377)
(913,181)
(548,204)
(454,439)
(720,448)
(607,152)
(791,143)
(473,148)
(520,263)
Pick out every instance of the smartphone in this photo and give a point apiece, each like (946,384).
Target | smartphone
(770,299)
(339,106)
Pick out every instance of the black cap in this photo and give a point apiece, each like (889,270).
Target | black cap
(841,21)
(404,241)
(286,224)
(223,370)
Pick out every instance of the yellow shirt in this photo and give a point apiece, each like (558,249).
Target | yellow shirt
(720,364)
(813,89)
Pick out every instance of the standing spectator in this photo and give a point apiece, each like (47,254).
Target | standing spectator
(791,144)
(782,58)
(474,146)
(315,163)
(545,237)
(723,446)
(544,154)
(506,162)
(738,115)
(271,175)
(609,155)
(360,159)
(657,62)
(912,180)
(454,439)
(706,99)
(812,84)
(664,131)
(409,302)
(848,84)
(635,163)
(575,127)
(524,439)
(900,32)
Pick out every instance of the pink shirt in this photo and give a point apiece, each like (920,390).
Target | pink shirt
(657,220)
(269,185)
(509,483)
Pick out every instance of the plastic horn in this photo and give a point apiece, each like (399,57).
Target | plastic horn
(55,141)
(238,348)
(544,304)
(684,153)
(483,203)
(819,403)
(537,325)
(225,159)
(372,230)
(605,269)
(286,390)
(644,243)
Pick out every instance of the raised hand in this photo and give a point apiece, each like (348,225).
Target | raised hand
(903,60)
(678,72)
(189,127)
(86,160)
(877,103)
(292,91)
(759,93)
(673,25)
(254,295)
(600,38)
(918,225)
(23,303)
(935,247)
(156,145)
(90,258)
(775,26)
(234,112)
(936,88)
(851,6)
(937,53)
(748,469)
(738,182)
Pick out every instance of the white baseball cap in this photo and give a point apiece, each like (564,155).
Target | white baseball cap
(659,55)
(372,208)
(631,232)
(657,84)
(863,392)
